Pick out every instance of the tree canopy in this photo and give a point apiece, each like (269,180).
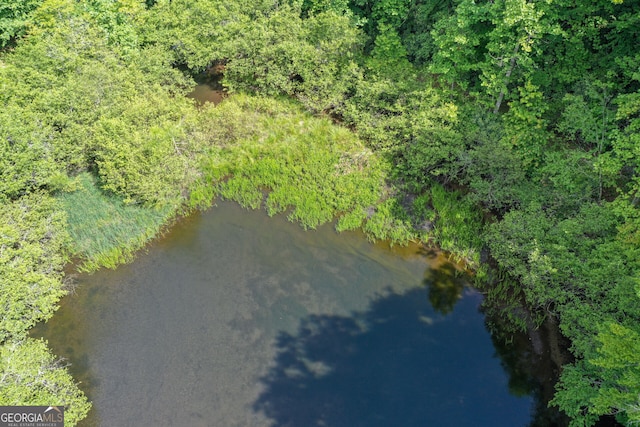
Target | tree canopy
(505,132)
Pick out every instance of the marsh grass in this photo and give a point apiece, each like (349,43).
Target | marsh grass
(291,162)
(390,222)
(104,231)
(458,226)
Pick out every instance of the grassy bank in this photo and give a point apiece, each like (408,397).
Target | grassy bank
(106,232)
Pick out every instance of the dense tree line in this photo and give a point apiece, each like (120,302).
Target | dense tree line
(504,131)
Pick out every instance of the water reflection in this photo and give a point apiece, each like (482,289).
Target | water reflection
(446,285)
(238,319)
(396,364)
(208,89)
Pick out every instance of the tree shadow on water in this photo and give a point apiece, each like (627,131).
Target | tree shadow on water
(446,285)
(397,364)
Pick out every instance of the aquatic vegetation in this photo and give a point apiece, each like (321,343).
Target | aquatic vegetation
(289,161)
(458,225)
(104,230)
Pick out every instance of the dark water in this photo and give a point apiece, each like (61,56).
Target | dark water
(237,319)
(208,89)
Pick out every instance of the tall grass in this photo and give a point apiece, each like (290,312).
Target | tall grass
(458,226)
(390,222)
(268,153)
(289,161)
(104,231)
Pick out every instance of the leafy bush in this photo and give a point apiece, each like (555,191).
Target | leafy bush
(31,375)
(32,238)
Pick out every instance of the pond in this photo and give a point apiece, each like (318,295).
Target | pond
(208,89)
(237,319)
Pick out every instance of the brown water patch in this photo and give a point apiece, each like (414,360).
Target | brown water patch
(208,89)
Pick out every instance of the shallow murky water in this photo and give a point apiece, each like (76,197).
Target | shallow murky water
(208,89)
(237,319)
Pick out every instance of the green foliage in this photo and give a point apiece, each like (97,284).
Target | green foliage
(623,160)
(607,383)
(195,31)
(619,354)
(596,40)
(514,239)
(569,180)
(118,21)
(495,175)
(312,60)
(422,216)
(390,222)
(389,55)
(587,116)
(15,18)
(494,49)
(263,47)
(529,108)
(561,262)
(525,126)
(316,6)
(69,78)
(502,304)
(31,375)
(459,39)
(32,237)
(416,30)
(574,390)
(374,13)
(458,225)
(431,154)
(509,162)
(309,167)
(145,154)
(490,166)
(412,123)
(27,158)
(105,232)
(392,12)
(606,380)
(513,44)
(576,269)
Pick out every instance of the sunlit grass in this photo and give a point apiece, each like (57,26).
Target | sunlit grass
(306,166)
(104,231)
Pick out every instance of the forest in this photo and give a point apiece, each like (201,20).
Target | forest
(505,132)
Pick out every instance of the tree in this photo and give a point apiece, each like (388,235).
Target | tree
(31,375)
(622,162)
(608,382)
(312,60)
(459,42)
(32,241)
(374,13)
(196,32)
(15,18)
(27,155)
(587,120)
(416,30)
(512,44)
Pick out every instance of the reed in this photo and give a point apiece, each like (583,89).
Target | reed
(289,161)
(106,232)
